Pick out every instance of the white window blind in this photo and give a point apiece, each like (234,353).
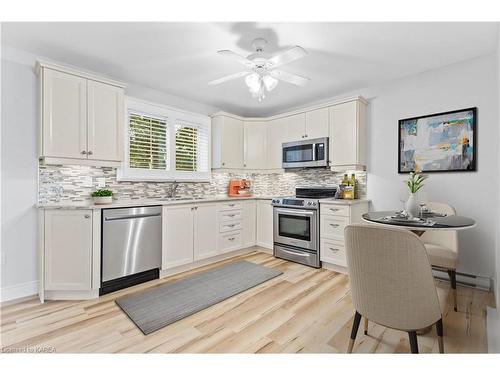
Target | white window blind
(148,142)
(191,147)
(163,144)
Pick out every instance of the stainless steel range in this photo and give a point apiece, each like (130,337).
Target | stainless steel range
(296,225)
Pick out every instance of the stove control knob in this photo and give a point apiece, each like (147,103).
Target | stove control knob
(314,204)
(308,203)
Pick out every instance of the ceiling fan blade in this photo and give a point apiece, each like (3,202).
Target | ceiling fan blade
(228,78)
(289,77)
(285,57)
(241,59)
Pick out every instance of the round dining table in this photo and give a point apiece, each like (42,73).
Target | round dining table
(419,227)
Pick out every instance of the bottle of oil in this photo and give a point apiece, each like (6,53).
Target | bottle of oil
(354,183)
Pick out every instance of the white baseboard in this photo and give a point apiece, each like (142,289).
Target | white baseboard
(11,292)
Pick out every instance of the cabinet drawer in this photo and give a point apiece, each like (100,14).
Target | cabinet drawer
(226,206)
(333,226)
(230,241)
(337,210)
(230,215)
(332,251)
(229,226)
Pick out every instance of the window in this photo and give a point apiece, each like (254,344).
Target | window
(163,144)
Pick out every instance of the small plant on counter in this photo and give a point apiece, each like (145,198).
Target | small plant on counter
(102,196)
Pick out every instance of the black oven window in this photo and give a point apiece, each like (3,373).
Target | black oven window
(297,227)
(298,154)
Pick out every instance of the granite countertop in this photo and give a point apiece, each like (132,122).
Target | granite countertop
(142,202)
(347,202)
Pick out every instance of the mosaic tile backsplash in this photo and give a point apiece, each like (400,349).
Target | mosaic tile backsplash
(59,184)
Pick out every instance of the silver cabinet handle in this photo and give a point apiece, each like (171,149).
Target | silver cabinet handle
(223,163)
(90,152)
(231,225)
(87,216)
(233,215)
(334,225)
(231,205)
(333,249)
(334,209)
(232,239)
(84,152)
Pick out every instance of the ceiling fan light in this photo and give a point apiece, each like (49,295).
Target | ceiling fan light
(270,82)
(253,82)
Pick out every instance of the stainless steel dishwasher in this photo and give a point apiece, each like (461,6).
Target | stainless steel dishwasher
(131,246)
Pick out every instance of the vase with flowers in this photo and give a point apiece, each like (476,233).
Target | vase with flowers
(414,183)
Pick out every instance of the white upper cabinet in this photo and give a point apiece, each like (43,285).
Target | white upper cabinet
(348,135)
(275,137)
(317,123)
(64,115)
(82,118)
(105,121)
(295,127)
(255,145)
(227,142)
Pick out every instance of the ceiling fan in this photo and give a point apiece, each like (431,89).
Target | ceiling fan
(260,71)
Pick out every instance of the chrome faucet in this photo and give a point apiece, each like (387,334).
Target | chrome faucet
(173,189)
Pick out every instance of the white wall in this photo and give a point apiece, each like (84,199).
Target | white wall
(19,166)
(19,175)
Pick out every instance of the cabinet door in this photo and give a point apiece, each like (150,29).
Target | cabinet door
(249,224)
(317,123)
(64,115)
(177,236)
(295,128)
(265,224)
(105,121)
(275,139)
(232,143)
(344,137)
(255,145)
(205,231)
(68,249)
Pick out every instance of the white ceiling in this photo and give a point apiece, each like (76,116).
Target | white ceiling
(181,58)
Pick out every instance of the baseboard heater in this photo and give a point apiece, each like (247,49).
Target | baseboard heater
(479,282)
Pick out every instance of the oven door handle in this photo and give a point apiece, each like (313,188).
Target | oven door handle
(295,212)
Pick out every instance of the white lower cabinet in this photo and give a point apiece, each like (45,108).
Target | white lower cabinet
(334,218)
(67,250)
(265,223)
(177,239)
(249,223)
(204,231)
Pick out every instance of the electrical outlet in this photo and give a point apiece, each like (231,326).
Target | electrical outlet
(87,182)
(101,182)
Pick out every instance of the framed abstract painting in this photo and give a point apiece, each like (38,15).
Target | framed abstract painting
(442,142)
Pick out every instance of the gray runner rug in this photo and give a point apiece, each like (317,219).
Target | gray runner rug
(160,306)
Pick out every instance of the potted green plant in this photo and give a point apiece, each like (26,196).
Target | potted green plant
(414,183)
(102,196)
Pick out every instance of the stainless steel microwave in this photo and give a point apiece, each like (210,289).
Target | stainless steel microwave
(310,153)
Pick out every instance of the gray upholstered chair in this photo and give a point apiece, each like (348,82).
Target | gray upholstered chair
(391,281)
(442,247)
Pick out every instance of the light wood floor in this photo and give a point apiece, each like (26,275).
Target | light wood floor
(303,310)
